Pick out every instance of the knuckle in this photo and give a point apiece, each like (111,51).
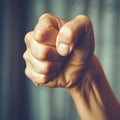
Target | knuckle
(25,56)
(27,73)
(86,21)
(83,17)
(39,78)
(39,51)
(42,67)
(40,54)
(44,26)
(35,77)
(36,66)
(40,33)
(45,15)
(43,79)
(27,37)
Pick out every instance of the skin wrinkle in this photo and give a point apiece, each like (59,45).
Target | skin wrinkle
(80,71)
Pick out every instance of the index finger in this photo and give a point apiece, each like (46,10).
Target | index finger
(46,30)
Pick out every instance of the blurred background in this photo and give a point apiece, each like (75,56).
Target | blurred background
(19,98)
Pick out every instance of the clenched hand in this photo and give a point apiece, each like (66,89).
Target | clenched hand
(58,52)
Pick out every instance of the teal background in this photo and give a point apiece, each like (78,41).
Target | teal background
(19,98)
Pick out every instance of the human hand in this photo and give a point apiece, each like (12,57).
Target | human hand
(58,52)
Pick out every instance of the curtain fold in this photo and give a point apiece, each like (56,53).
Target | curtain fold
(19,98)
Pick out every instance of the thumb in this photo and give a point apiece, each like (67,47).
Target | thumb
(69,34)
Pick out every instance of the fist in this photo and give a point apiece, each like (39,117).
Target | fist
(58,52)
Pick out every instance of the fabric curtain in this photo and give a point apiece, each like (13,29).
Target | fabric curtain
(19,98)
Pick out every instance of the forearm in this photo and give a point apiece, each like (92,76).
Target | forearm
(95,100)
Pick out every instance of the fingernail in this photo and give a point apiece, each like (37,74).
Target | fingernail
(63,49)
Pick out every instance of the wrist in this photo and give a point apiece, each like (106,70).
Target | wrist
(95,95)
(87,79)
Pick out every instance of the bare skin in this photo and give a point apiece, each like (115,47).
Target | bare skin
(60,53)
